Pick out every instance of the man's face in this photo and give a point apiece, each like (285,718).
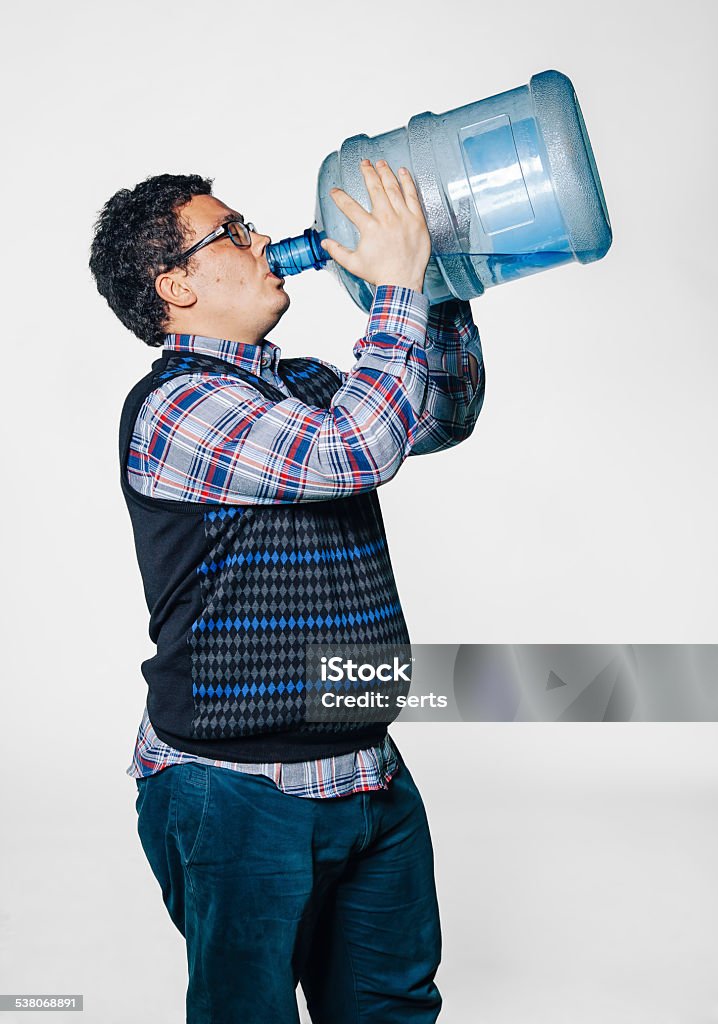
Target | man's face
(234,296)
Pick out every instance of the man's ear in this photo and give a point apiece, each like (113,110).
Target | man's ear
(174,290)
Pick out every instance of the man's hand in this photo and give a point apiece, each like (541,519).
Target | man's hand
(394,244)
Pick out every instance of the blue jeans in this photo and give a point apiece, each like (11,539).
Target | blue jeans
(271,890)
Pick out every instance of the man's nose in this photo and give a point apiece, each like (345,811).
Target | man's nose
(260,242)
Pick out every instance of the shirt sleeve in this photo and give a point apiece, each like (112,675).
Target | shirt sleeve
(452,404)
(219,439)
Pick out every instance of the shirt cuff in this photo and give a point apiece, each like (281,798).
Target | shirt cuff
(398,310)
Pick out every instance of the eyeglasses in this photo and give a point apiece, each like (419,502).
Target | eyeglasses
(237,231)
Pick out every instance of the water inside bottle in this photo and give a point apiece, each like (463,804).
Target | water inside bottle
(507,266)
(287,259)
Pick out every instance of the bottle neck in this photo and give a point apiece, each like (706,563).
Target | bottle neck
(295,254)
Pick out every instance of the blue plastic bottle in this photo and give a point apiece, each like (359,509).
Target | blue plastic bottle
(508,184)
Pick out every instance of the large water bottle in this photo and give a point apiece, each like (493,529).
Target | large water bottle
(508,184)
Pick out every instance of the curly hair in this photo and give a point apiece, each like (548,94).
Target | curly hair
(136,233)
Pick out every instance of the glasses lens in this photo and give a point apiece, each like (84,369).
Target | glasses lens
(239,233)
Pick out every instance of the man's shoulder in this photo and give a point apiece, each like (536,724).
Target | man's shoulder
(196,389)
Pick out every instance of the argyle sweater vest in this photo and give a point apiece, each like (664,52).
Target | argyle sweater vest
(236,592)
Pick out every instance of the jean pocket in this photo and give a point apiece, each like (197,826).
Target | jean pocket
(141,793)
(192,798)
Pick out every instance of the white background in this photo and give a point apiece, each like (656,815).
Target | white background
(575,865)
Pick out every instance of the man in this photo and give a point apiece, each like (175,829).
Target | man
(288,851)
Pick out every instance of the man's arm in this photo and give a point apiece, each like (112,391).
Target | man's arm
(219,439)
(456,386)
(455,392)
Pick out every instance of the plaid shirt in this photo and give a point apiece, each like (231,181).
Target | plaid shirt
(213,437)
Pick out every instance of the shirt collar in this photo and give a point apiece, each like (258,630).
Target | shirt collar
(253,358)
